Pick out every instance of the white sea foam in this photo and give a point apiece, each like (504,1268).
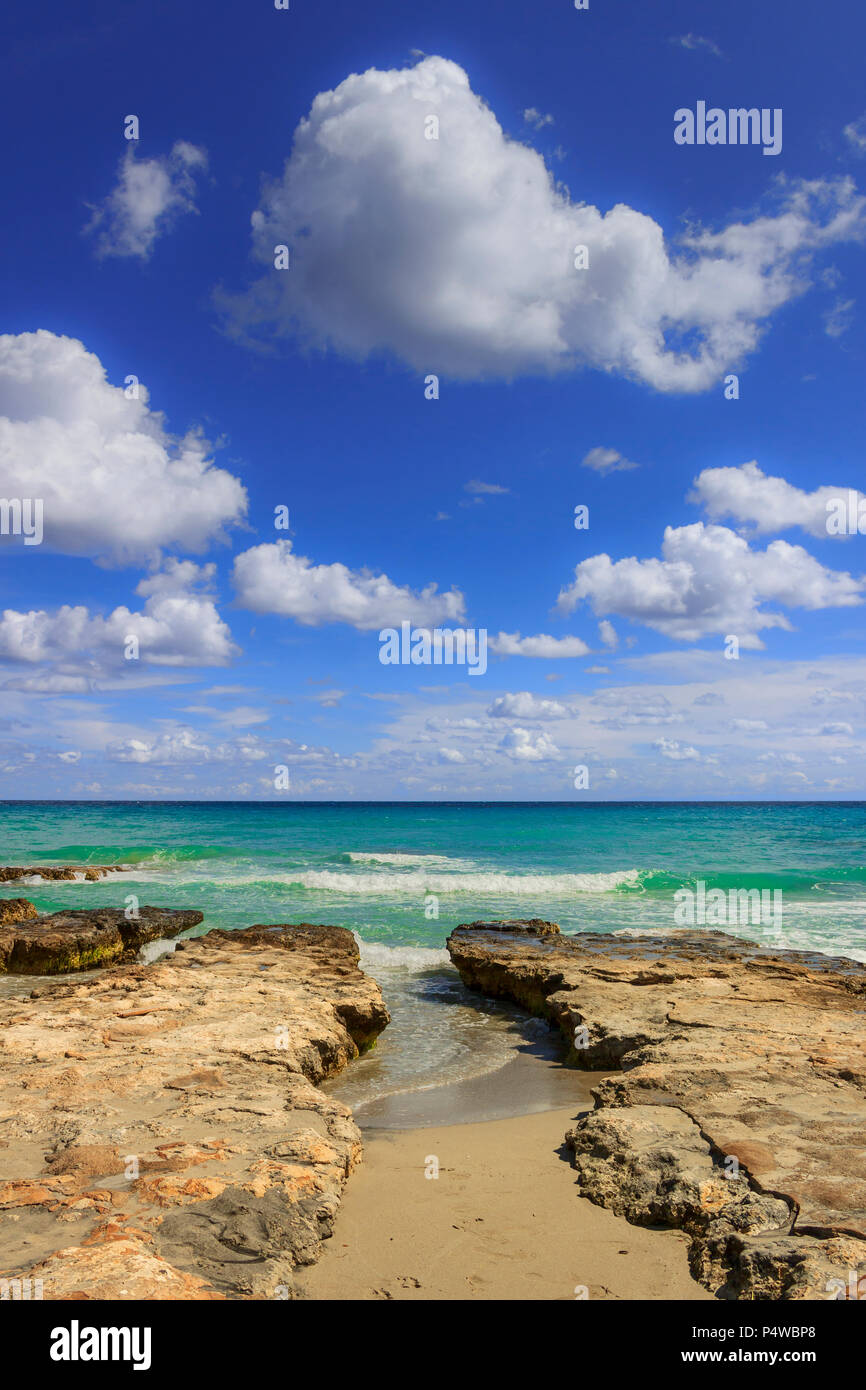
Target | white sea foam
(521,885)
(401,860)
(409,883)
(376,955)
(413,883)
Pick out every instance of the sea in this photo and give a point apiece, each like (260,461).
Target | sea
(402,875)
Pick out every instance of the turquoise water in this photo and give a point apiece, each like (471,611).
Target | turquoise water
(384,869)
(373,867)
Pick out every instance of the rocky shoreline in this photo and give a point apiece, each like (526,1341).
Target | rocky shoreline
(164,1121)
(738,1112)
(166,1136)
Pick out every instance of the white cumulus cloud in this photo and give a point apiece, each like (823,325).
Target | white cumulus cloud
(547,648)
(271,578)
(113,482)
(524,705)
(710,581)
(178,626)
(457,254)
(527,747)
(767,503)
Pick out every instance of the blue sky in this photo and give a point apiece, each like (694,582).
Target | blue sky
(304,388)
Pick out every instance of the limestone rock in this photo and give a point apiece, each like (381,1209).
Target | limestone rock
(16,910)
(61,942)
(170,1112)
(727,1058)
(115,1268)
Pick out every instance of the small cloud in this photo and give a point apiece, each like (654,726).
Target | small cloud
(608,634)
(526,747)
(855,134)
(451,755)
(679,752)
(512,644)
(524,705)
(329,699)
(488,489)
(839,319)
(149,196)
(442,516)
(697,43)
(607,461)
(536,119)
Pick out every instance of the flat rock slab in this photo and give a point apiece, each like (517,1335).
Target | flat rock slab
(161,1127)
(60,942)
(739,1110)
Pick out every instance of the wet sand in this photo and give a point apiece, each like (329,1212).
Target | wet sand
(502,1220)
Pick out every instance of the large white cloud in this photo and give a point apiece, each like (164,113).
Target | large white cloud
(114,483)
(767,503)
(149,196)
(710,581)
(457,254)
(270,578)
(178,626)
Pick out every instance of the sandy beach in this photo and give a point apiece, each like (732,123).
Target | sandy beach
(503,1219)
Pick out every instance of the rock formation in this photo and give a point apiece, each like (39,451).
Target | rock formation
(9,873)
(60,942)
(162,1124)
(737,1111)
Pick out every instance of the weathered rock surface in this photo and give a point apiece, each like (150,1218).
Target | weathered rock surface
(161,1125)
(16,910)
(60,942)
(738,1113)
(10,873)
